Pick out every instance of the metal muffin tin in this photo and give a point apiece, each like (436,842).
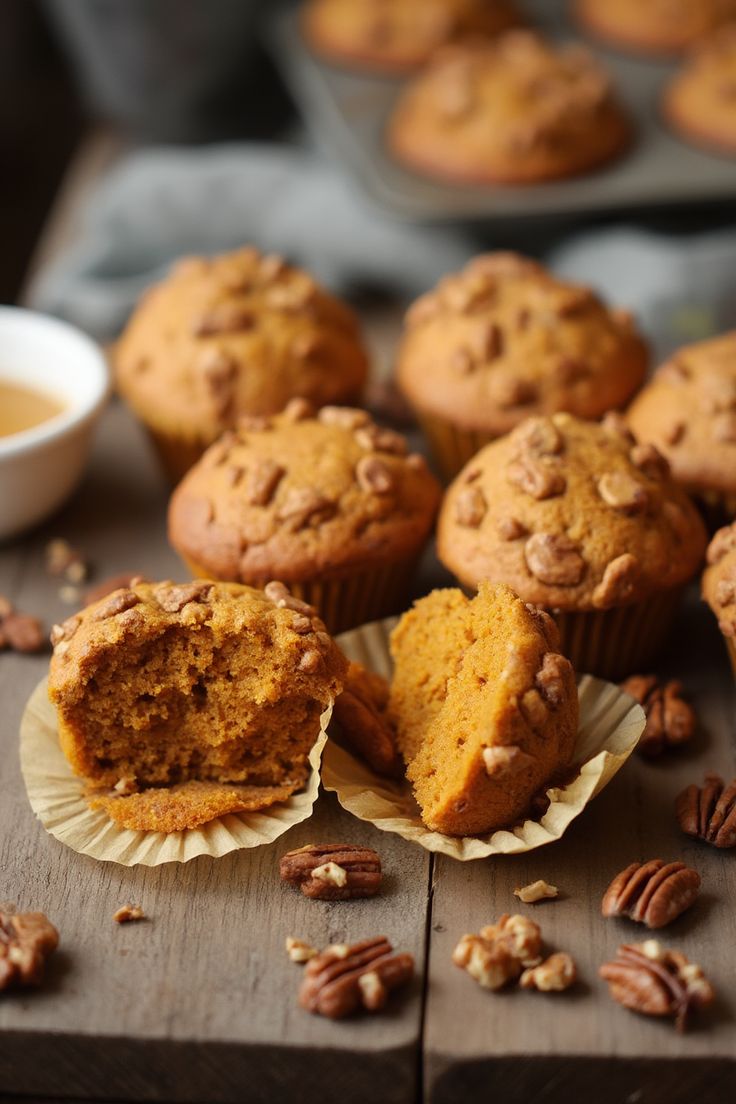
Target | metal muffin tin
(347,112)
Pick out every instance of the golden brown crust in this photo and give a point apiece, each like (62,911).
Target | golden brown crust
(515,110)
(300,497)
(700,101)
(573,515)
(240,333)
(188,805)
(504,338)
(653,26)
(688,411)
(486,708)
(398,35)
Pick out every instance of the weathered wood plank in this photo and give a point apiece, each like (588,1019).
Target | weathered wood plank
(521,1046)
(200,1002)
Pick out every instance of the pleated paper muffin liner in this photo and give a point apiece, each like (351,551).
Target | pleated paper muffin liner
(451,445)
(57,797)
(611,723)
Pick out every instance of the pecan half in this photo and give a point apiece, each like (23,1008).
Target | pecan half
(708,812)
(22,633)
(653,893)
(499,952)
(360,712)
(536,477)
(332,871)
(115,603)
(26,941)
(654,981)
(554,975)
(345,978)
(554,559)
(671,720)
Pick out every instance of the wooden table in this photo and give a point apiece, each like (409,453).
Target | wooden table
(199,1002)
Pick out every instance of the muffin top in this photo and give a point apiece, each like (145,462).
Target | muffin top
(240,333)
(296,495)
(719,578)
(689,412)
(573,515)
(657,26)
(144,612)
(701,99)
(512,109)
(398,34)
(504,338)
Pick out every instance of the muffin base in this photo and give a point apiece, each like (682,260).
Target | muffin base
(618,642)
(349,599)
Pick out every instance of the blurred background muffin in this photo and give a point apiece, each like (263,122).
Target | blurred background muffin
(503,339)
(581,520)
(332,505)
(688,411)
(396,35)
(239,333)
(653,26)
(700,100)
(513,110)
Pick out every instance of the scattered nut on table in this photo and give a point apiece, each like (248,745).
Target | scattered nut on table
(510,951)
(65,561)
(654,981)
(671,721)
(708,812)
(554,975)
(653,893)
(299,950)
(536,891)
(27,939)
(347,977)
(332,871)
(19,631)
(126,914)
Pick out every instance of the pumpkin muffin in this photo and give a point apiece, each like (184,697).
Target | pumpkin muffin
(515,110)
(393,36)
(503,339)
(700,101)
(688,411)
(719,585)
(240,333)
(653,26)
(332,505)
(180,703)
(486,708)
(581,520)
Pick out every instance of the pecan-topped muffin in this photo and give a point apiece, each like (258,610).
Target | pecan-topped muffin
(581,520)
(486,708)
(688,411)
(396,35)
(333,505)
(503,339)
(240,333)
(514,110)
(653,26)
(179,703)
(719,584)
(700,101)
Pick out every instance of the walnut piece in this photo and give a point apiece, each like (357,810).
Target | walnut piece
(128,914)
(708,812)
(300,951)
(26,941)
(671,721)
(554,975)
(347,977)
(653,893)
(497,955)
(332,871)
(554,559)
(654,981)
(536,891)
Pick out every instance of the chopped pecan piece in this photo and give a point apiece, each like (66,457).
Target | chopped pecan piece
(671,720)
(123,581)
(282,598)
(304,506)
(499,952)
(536,891)
(128,914)
(374,476)
(708,812)
(26,941)
(510,528)
(115,603)
(62,559)
(539,437)
(505,759)
(470,507)
(344,978)
(263,479)
(299,950)
(346,417)
(654,981)
(554,975)
(227,317)
(298,409)
(174,597)
(619,490)
(653,893)
(618,582)
(554,559)
(536,477)
(375,439)
(332,871)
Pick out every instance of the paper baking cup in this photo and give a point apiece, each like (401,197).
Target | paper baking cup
(611,723)
(717,507)
(57,798)
(176,454)
(451,445)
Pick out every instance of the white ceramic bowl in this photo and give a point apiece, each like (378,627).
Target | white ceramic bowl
(40,467)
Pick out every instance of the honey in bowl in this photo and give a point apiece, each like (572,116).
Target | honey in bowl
(24,408)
